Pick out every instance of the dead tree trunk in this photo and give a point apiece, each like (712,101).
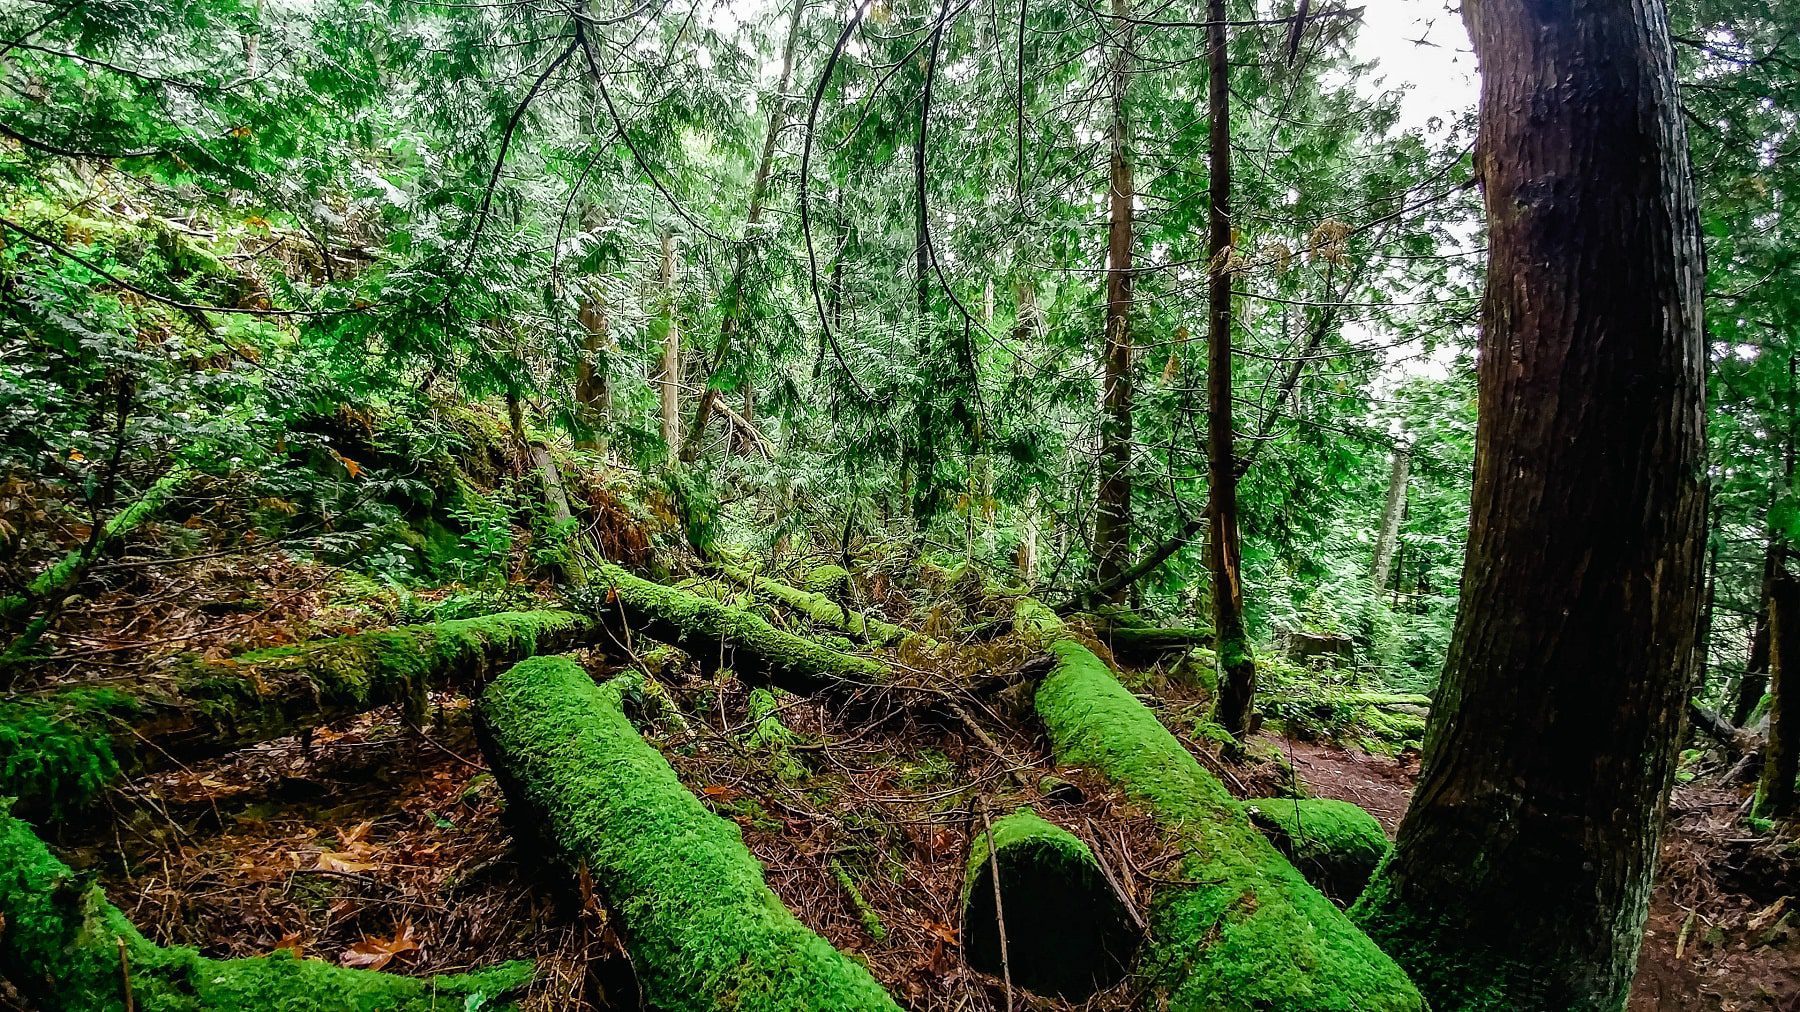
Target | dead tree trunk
(1112,516)
(1237,667)
(1522,871)
(1390,518)
(702,927)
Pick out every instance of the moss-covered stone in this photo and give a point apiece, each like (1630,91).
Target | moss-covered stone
(707,629)
(704,930)
(1241,929)
(69,950)
(1067,931)
(1335,844)
(61,749)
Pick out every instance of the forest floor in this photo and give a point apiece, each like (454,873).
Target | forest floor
(1723,933)
(371,844)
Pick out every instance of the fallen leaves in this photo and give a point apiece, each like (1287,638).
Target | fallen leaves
(375,953)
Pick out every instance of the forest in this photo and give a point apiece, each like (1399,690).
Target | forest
(951,505)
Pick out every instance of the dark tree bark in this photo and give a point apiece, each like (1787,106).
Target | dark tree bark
(1522,871)
(593,395)
(1237,667)
(1112,519)
(1775,795)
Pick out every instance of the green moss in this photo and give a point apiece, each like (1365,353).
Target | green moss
(1335,844)
(822,609)
(1244,930)
(68,950)
(1068,934)
(769,735)
(703,929)
(825,579)
(706,629)
(58,752)
(871,920)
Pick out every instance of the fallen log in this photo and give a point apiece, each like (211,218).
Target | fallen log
(718,635)
(1335,844)
(1146,643)
(822,609)
(66,949)
(1067,931)
(703,929)
(59,751)
(1235,927)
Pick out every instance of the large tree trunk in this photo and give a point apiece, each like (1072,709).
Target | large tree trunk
(1775,795)
(593,395)
(1112,516)
(733,322)
(703,929)
(1390,519)
(1237,667)
(1522,871)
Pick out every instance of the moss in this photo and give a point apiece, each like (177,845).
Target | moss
(825,579)
(66,948)
(1067,932)
(871,920)
(59,753)
(706,629)
(704,930)
(821,609)
(1244,930)
(1335,844)
(63,749)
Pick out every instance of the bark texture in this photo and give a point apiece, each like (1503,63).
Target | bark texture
(1112,519)
(1237,667)
(1776,796)
(1390,519)
(1522,870)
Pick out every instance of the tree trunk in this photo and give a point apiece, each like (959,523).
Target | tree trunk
(1235,926)
(669,376)
(1237,667)
(1068,931)
(1776,795)
(1112,516)
(1390,518)
(67,949)
(593,396)
(1753,684)
(81,740)
(1522,871)
(733,322)
(702,927)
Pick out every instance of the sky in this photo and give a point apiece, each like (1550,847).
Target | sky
(1422,45)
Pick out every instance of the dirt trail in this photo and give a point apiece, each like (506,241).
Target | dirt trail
(1737,895)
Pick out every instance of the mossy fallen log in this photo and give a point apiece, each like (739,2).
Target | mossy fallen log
(703,929)
(1335,844)
(822,609)
(1068,933)
(1237,928)
(66,949)
(719,634)
(59,750)
(1146,643)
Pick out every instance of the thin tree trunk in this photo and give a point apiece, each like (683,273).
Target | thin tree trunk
(1754,683)
(1237,667)
(1112,516)
(1775,794)
(669,378)
(1521,874)
(733,323)
(1390,518)
(593,396)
